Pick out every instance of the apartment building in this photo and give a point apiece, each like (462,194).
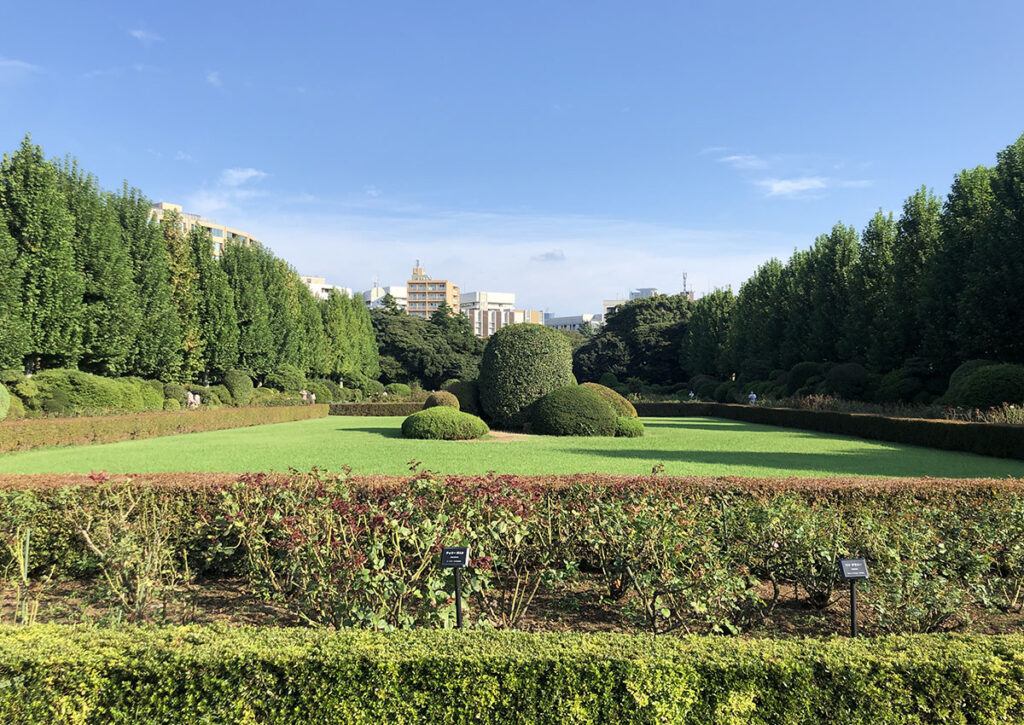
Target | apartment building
(425,294)
(374,297)
(574,322)
(488,312)
(218,232)
(320,289)
(609,306)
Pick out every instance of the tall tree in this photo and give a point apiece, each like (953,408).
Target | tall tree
(706,351)
(14,333)
(798,281)
(218,322)
(833,258)
(758,322)
(156,352)
(110,314)
(917,238)
(869,334)
(51,286)
(280,288)
(314,344)
(255,342)
(183,291)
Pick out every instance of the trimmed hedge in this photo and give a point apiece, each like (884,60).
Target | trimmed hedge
(442,398)
(627,427)
(219,675)
(287,378)
(521,364)
(372,409)
(468,393)
(5,402)
(239,384)
(400,390)
(989,386)
(27,434)
(986,439)
(443,423)
(573,411)
(622,406)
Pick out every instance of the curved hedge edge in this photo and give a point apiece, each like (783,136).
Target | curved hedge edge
(25,435)
(245,674)
(375,409)
(986,439)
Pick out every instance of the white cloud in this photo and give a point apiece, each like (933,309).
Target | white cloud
(792,187)
(213,78)
(15,71)
(183,156)
(144,36)
(744,161)
(555,255)
(237,177)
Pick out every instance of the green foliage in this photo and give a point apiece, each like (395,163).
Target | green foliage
(443,423)
(400,390)
(622,406)
(184,293)
(218,321)
(73,392)
(959,376)
(706,346)
(323,390)
(176,392)
(521,364)
(628,427)
(239,384)
(441,398)
(609,380)
(989,386)
(14,333)
(287,378)
(430,351)
(5,402)
(468,393)
(573,410)
(171,404)
(800,374)
(603,354)
(17,409)
(848,380)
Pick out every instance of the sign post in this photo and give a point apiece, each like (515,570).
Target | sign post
(457,558)
(852,570)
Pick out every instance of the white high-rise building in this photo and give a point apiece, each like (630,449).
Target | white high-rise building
(320,289)
(488,312)
(374,297)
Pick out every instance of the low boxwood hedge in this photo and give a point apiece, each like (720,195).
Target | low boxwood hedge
(26,434)
(193,674)
(372,409)
(626,427)
(443,423)
(573,411)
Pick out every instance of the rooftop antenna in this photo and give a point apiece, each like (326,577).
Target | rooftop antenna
(685,289)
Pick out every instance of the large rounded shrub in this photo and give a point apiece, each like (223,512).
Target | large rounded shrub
(5,402)
(992,385)
(398,390)
(239,384)
(468,393)
(847,380)
(78,393)
(287,378)
(323,393)
(441,398)
(176,391)
(573,410)
(801,374)
(521,364)
(959,377)
(621,405)
(443,423)
(626,427)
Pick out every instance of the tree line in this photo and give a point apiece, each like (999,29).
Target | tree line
(938,285)
(89,280)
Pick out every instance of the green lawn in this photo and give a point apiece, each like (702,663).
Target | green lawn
(705,446)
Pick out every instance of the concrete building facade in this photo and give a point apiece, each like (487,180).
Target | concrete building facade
(488,312)
(218,232)
(425,294)
(374,297)
(575,322)
(320,289)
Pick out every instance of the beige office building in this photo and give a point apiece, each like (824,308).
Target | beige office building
(488,312)
(218,232)
(425,294)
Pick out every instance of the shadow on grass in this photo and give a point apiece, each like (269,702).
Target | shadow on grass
(385,431)
(722,425)
(875,462)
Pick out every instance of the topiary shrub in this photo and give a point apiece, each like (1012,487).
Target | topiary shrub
(5,402)
(349,395)
(521,364)
(287,378)
(754,369)
(17,409)
(58,404)
(959,376)
(328,385)
(28,391)
(992,385)
(626,427)
(442,398)
(800,375)
(10,377)
(622,406)
(152,395)
(323,393)
(239,384)
(371,387)
(449,382)
(847,380)
(899,385)
(171,404)
(398,390)
(727,392)
(176,391)
(609,380)
(573,410)
(468,393)
(83,393)
(443,423)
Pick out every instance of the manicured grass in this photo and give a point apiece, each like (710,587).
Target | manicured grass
(699,446)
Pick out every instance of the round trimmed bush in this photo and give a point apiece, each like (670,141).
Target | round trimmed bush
(5,402)
(176,391)
(801,374)
(17,410)
(239,384)
(622,406)
(847,380)
(371,387)
(323,393)
(449,382)
(626,427)
(400,390)
(328,385)
(573,410)
(441,398)
(608,380)
(521,364)
(443,423)
(468,393)
(959,377)
(171,404)
(992,385)
(287,378)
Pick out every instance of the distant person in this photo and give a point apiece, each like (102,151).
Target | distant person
(190,401)
(691,395)
(312,398)
(303,396)
(752,397)
(197,400)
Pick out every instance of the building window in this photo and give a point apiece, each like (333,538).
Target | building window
(217,232)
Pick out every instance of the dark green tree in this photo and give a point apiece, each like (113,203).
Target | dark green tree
(917,238)
(706,351)
(652,330)
(833,258)
(243,268)
(313,350)
(758,321)
(14,333)
(869,334)
(184,280)
(218,322)
(51,286)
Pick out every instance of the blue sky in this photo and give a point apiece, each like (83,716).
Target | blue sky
(565,151)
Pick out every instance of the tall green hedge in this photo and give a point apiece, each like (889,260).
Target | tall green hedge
(53,674)
(239,384)
(5,402)
(521,364)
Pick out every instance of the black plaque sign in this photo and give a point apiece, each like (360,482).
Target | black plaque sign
(454,557)
(853,569)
